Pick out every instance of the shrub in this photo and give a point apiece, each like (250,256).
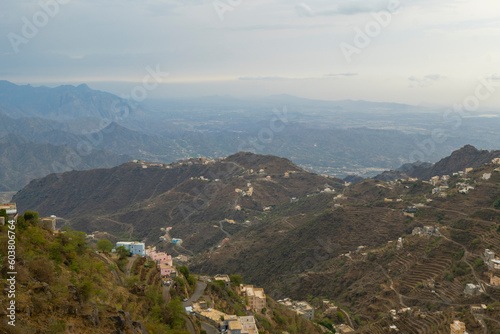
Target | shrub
(104,245)
(42,270)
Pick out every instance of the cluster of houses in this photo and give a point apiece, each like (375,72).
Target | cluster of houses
(232,324)
(163,263)
(11,211)
(163,260)
(186,162)
(493,264)
(426,230)
(248,191)
(302,308)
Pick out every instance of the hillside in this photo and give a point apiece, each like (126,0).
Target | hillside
(310,248)
(304,236)
(22,161)
(63,286)
(466,157)
(136,199)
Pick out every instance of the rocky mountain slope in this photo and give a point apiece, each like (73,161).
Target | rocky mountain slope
(137,199)
(466,157)
(62,103)
(298,234)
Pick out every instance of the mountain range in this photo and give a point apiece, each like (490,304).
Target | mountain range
(298,234)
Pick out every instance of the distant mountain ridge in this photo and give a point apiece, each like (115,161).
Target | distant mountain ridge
(466,157)
(62,102)
(22,160)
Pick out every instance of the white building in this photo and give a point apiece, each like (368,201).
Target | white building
(133,246)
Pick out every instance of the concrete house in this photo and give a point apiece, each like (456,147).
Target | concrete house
(239,325)
(49,222)
(472,289)
(457,327)
(161,258)
(134,247)
(225,279)
(256,297)
(165,270)
(11,210)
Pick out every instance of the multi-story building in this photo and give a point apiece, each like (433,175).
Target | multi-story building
(256,297)
(161,257)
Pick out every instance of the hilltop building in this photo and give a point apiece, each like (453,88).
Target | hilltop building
(11,210)
(256,296)
(163,262)
(225,279)
(134,247)
(161,258)
(49,222)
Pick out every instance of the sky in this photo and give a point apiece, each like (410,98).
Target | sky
(425,52)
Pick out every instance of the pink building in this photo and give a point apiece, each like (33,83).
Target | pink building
(163,263)
(165,270)
(161,258)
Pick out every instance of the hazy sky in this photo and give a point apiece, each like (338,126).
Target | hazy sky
(413,51)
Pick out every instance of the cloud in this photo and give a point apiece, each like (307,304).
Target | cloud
(345,74)
(344,7)
(265,78)
(425,81)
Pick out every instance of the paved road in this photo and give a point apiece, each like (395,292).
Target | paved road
(209,328)
(200,288)
(190,325)
(130,263)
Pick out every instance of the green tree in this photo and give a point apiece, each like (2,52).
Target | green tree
(236,279)
(184,270)
(496,204)
(3,213)
(31,216)
(122,252)
(104,245)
